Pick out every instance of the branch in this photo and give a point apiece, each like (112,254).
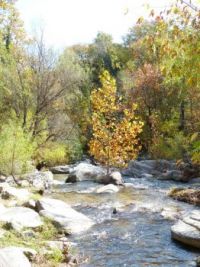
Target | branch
(190,5)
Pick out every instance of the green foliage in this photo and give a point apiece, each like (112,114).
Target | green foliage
(16,149)
(52,154)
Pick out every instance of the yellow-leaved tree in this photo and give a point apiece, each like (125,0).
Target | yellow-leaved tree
(116,129)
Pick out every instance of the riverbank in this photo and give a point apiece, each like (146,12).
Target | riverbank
(93,224)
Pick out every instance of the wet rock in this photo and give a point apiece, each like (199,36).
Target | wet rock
(40,180)
(13,257)
(171,213)
(110,188)
(85,171)
(175,175)
(63,216)
(187,230)
(66,169)
(113,178)
(20,217)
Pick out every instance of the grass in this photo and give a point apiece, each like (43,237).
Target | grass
(35,240)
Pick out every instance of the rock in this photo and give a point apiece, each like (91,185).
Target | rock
(113,178)
(31,204)
(66,169)
(195,181)
(139,169)
(110,188)
(63,216)
(40,180)
(85,171)
(28,252)
(20,217)
(187,230)
(170,213)
(13,257)
(20,194)
(175,175)
(72,178)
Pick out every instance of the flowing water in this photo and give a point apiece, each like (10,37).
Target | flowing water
(138,234)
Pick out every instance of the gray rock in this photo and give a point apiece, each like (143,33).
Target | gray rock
(187,230)
(66,169)
(20,217)
(63,215)
(20,194)
(86,171)
(40,180)
(110,188)
(13,257)
(113,178)
(175,175)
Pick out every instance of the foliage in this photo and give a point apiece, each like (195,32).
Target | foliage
(115,128)
(51,154)
(16,149)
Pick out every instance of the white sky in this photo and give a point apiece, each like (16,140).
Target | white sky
(67,22)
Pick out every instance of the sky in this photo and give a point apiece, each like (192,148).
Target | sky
(68,22)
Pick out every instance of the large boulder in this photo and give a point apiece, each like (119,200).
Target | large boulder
(85,171)
(40,180)
(175,175)
(148,168)
(63,216)
(187,230)
(20,217)
(13,257)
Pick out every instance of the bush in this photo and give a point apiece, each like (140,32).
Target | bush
(16,149)
(52,154)
(170,147)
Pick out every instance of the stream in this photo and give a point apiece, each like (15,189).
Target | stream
(138,234)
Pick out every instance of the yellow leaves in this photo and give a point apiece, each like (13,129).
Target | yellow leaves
(115,130)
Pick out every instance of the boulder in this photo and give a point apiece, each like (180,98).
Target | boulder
(63,216)
(110,188)
(66,169)
(20,217)
(175,175)
(86,171)
(187,230)
(13,257)
(40,180)
(112,178)
(20,194)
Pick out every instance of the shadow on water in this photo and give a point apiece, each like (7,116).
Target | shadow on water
(137,235)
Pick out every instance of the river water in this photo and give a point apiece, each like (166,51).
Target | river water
(138,234)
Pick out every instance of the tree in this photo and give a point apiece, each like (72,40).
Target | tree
(16,149)
(116,129)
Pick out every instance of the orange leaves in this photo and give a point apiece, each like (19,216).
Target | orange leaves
(115,130)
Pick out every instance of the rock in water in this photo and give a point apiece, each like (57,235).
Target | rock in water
(113,178)
(110,188)
(85,172)
(187,230)
(63,215)
(13,257)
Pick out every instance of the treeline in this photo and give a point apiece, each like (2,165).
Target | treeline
(45,108)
